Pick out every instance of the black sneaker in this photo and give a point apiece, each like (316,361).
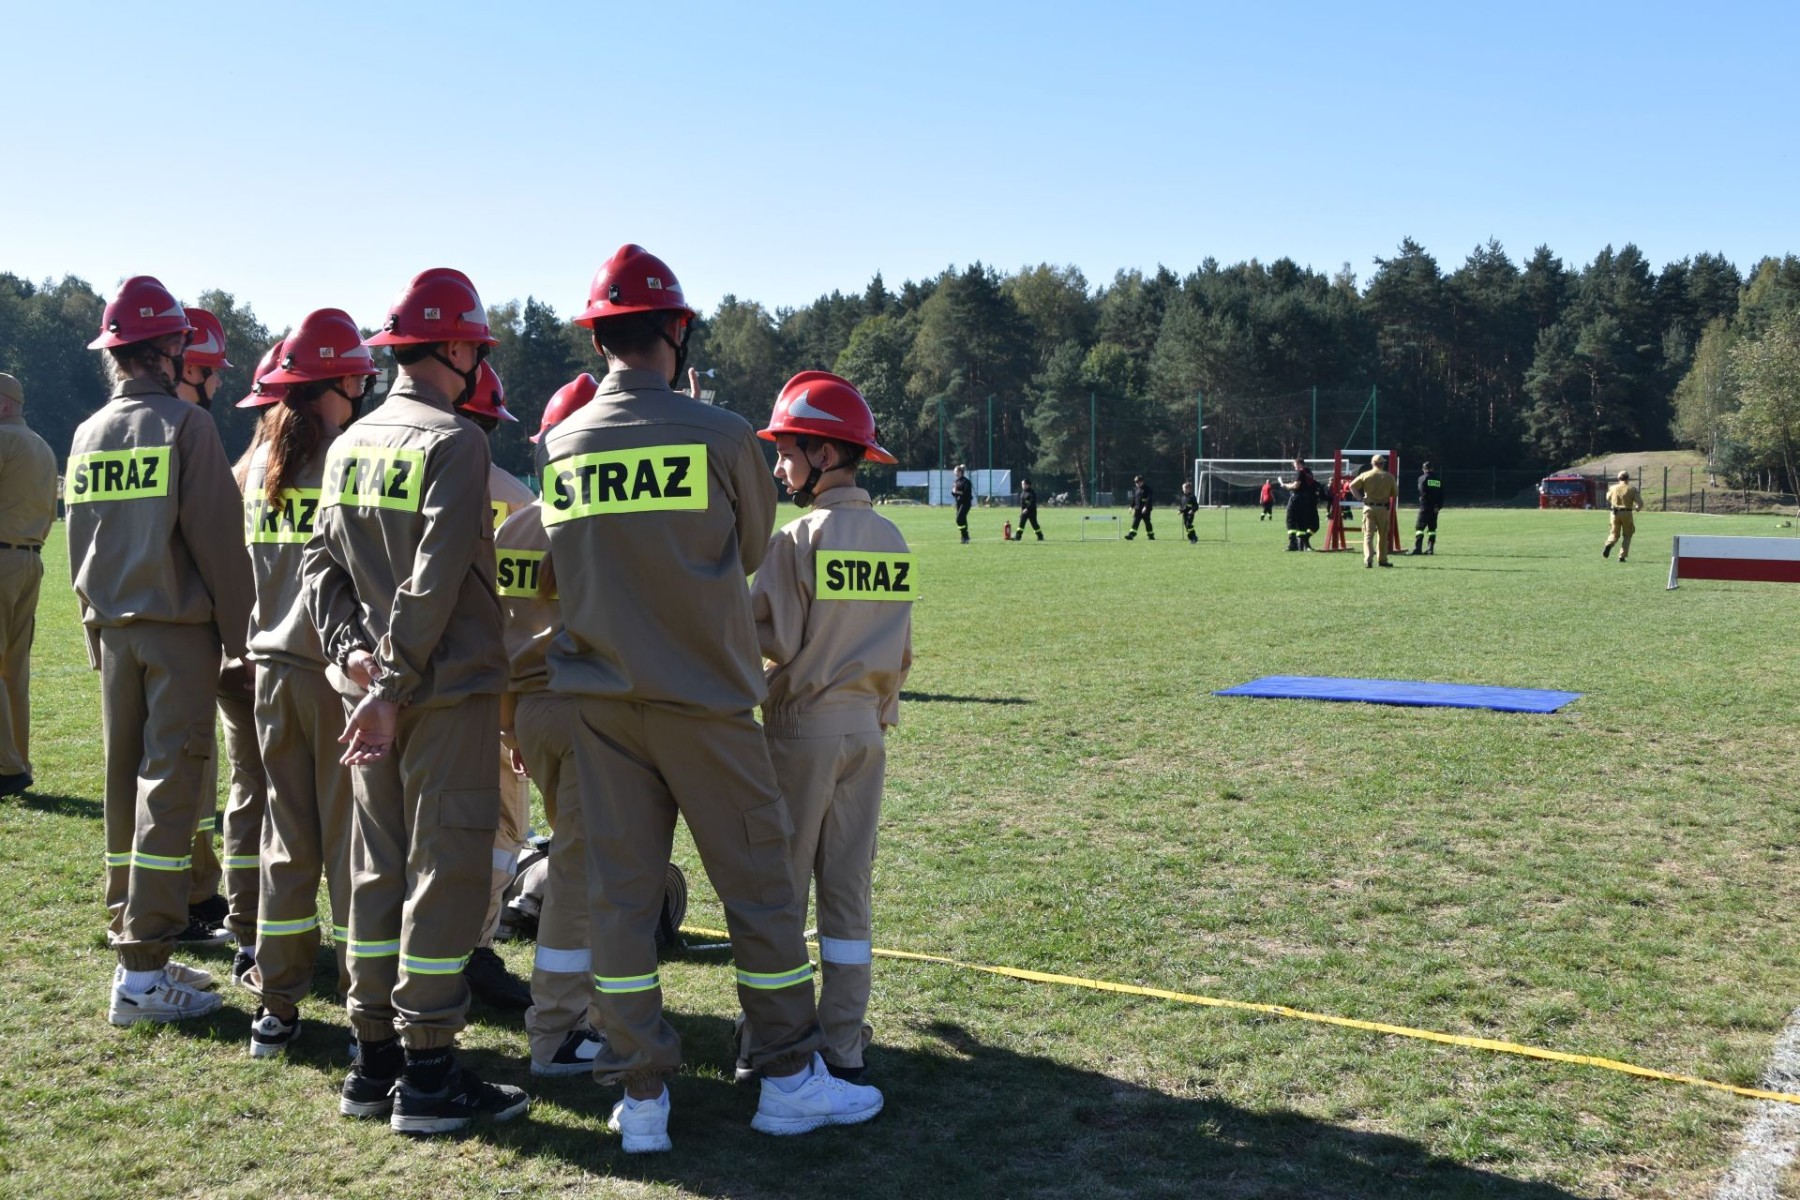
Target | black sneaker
(241,964)
(15,785)
(575,1056)
(489,979)
(213,910)
(200,933)
(368,1089)
(270,1035)
(1606,550)
(462,1099)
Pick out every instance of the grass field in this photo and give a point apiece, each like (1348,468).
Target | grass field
(1064,794)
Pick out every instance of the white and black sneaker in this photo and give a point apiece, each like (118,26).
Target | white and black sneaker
(165,1000)
(462,1099)
(241,964)
(575,1056)
(270,1035)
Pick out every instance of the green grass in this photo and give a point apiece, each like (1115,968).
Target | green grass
(1065,794)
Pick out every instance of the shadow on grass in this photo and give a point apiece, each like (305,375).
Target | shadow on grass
(62,806)
(944,698)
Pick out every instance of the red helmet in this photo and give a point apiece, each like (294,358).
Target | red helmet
(820,404)
(327,345)
(489,399)
(633,280)
(439,305)
(142,310)
(207,347)
(564,403)
(262,393)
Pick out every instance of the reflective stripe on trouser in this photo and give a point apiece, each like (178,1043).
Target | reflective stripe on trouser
(156,707)
(21,579)
(243,812)
(418,819)
(306,829)
(833,788)
(638,766)
(562,976)
(509,839)
(1375,523)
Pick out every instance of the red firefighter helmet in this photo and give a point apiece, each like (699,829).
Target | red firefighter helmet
(439,305)
(327,345)
(142,310)
(565,402)
(263,393)
(633,280)
(489,399)
(820,404)
(207,347)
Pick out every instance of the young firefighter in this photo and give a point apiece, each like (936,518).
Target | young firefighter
(657,508)
(321,376)
(1431,499)
(159,588)
(1624,500)
(1302,506)
(1375,490)
(833,605)
(1027,513)
(400,584)
(1267,500)
(1187,506)
(962,493)
(1142,501)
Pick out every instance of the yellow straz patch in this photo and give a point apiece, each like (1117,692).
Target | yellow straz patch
(653,479)
(287,521)
(861,575)
(373,477)
(519,573)
(117,475)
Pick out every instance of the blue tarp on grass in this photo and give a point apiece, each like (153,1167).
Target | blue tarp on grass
(1403,691)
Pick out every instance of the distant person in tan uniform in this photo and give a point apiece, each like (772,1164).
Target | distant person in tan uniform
(400,583)
(1376,489)
(27,510)
(833,605)
(657,508)
(149,494)
(1623,499)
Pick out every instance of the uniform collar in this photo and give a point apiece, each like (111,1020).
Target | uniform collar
(140,387)
(843,497)
(634,380)
(16,419)
(419,390)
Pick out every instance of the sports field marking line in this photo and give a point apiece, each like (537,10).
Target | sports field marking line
(1771,1140)
(1300,1014)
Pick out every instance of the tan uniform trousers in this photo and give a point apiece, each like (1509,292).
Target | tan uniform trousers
(1624,524)
(421,849)
(157,682)
(562,977)
(306,831)
(207,870)
(638,767)
(509,839)
(1376,522)
(833,788)
(21,574)
(243,812)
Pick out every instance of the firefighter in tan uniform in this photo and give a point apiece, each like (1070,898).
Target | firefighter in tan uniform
(27,510)
(400,584)
(657,507)
(1376,489)
(315,387)
(161,582)
(1624,500)
(833,605)
(487,973)
(214,919)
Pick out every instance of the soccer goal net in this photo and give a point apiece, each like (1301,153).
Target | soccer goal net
(1226,481)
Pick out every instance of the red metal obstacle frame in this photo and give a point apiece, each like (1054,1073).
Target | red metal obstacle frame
(1756,559)
(1339,491)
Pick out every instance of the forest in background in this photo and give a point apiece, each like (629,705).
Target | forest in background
(1494,364)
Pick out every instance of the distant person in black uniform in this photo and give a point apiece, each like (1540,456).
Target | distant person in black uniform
(1302,506)
(1140,508)
(1431,498)
(1187,506)
(1027,513)
(963,493)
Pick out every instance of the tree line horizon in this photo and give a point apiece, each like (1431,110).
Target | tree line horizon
(1494,364)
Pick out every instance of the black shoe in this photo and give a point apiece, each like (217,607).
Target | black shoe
(1432,549)
(213,910)
(1606,550)
(489,979)
(742,1073)
(368,1089)
(15,785)
(1149,537)
(202,933)
(1193,539)
(575,1056)
(1387,564)
(1040,534)
(462,1099)
(1131,535)
(242,963)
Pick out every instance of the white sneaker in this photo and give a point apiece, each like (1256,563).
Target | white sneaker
(198,978)
(823,1099)
(165,1001)
(644,1125)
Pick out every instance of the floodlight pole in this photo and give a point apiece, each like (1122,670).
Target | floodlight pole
(1093,450)
(1200,425)
(940,433)
(1315,422)
(990,441)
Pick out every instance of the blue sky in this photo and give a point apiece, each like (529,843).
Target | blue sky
(311,155)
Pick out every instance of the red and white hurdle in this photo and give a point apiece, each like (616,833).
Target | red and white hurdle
(1757,559)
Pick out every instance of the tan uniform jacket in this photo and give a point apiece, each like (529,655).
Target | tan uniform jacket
(404,540)
(836,629)
(1623,497)
(27,484)
(506,495)
(657,506)
(1376,487)
(276,532)
(151,518)
(533,616)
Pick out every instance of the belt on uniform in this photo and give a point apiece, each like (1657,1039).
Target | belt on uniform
(11,546)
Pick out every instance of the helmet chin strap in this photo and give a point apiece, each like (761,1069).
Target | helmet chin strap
(469,377)
(803,495)
(680,348)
